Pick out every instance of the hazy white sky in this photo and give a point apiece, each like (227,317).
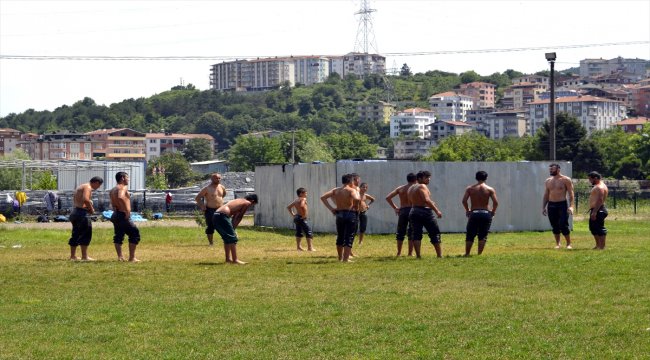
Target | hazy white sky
(247,28)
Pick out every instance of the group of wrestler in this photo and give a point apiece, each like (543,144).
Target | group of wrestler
(349,203)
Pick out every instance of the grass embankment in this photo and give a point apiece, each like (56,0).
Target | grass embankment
(521,299)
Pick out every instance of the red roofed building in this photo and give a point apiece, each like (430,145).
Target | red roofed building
(633,125)
(442,129)
(481,92)
(118,144)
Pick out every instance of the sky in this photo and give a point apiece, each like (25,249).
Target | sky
(426,35)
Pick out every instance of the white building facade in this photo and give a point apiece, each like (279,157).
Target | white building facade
(594,113)
(412,123)
(451,106)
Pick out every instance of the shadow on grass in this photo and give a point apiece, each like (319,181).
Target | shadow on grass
(211,264)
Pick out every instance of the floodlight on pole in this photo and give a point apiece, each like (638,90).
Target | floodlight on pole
(550,57)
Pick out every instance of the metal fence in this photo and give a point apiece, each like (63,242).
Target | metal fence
(623,202)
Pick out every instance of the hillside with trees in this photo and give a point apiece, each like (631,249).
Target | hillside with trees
(324,123)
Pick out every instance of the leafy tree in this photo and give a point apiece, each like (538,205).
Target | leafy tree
(469,76)
(249,150)
(614,145)
(177,170)
(350,145)
(11,178)
(405,71)
(588,157)
(308,147)
(44,180)
(197,149)
(473,146)
(629,168)
(568,133)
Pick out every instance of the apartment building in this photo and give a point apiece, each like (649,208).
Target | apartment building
(450,106)
(476,118)
(160,143)
(412,123)
(445,128)
(377,112)
(361,64)
(516,96)
(505,123)
(531,79)
(118,144)
(311,70)
(61,145)
(633,125)
(594,113)
(592,68)
(9,139)
(252,75)
(481,92)
(412,149)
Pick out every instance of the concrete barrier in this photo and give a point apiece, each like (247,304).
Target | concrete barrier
(519,186)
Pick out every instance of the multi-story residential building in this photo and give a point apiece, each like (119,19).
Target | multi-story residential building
(9,139)
(311,70)
(361,64)
(411,123)
(531,79)
(518,95)
(450,106)
(252,75)
(592,68)
(633,125)
(61,145)
(505,123)
(558,94)
(378,112)
(640,100)
(445,128)
(160,143)
(594,113)
(412,149)
(476,118)
(481,92)
(118,144)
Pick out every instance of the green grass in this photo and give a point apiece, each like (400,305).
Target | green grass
(520,300)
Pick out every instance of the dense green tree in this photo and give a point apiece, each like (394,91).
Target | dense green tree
(405,71)
(307,146)
(350,145)
(198,150)
(568,133)
(11,178)
(469,76)
(476,147)
(250,150)
(614,145)
(177,170)
(588,157)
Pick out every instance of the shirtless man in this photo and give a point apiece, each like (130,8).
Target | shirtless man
(597,210)
(300,219)
(346,200)
(82,226)
(403,225)
(121,219)
(421,215)
(209,199)
(226,219)
(479,216)
(364,205)
(556,189)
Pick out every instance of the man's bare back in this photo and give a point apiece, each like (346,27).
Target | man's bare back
(345,198)
(418,194)
(479,196)
(81,198)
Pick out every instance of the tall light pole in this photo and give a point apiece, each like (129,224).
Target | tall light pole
(293,146)
(550,57)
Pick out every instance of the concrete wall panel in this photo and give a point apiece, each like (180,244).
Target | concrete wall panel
(519,187)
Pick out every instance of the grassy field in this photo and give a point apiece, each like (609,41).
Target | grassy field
(522,299)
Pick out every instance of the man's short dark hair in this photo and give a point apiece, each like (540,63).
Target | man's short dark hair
(120,176)
(300,191)
(594,175)
(423,174)
(345,179)
(97,179)
(251,198)
(354,176)
(410,177)
(481,175)
(555,164)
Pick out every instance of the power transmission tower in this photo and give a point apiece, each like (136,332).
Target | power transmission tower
(365,33)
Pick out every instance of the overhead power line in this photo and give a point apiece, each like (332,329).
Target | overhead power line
(231,57)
